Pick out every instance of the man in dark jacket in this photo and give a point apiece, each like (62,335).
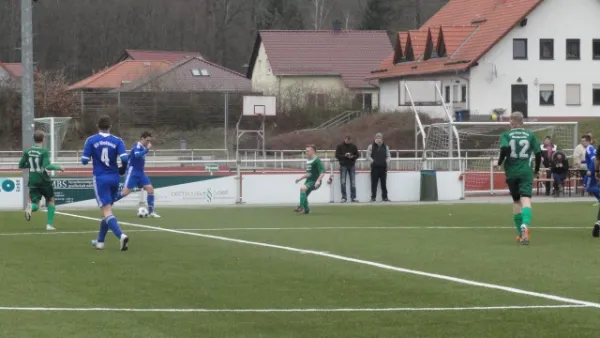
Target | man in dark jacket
(560,170)
(548,149)
(347,153)
(379,155)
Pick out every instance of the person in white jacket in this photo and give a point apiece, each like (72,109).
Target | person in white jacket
(579,158)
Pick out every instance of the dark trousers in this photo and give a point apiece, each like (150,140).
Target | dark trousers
(558,181)
(348,172)
(582,174)
(379,174)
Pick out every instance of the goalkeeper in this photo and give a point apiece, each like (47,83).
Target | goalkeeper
(314,175)
(516,147)
(37,160)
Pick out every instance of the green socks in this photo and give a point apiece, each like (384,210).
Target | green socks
(51,212)
(34,207)
(518,219)
(526,216)
(303,200)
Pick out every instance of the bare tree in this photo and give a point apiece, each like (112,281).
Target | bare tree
(320,12)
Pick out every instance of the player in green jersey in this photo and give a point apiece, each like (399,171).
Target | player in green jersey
(37,160)
(516,147)
(314,175)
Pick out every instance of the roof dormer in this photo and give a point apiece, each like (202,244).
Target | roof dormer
(400,49)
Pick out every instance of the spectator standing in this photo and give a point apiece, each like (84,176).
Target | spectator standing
(560,170)
(379,155)
(347,153)
(579,159)
(548,149)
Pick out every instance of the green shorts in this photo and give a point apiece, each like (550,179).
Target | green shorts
(310,187)
(45,190)
(520,187)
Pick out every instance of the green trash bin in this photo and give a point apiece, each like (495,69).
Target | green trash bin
(429,191)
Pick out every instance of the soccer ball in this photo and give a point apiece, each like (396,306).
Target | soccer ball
(142,212)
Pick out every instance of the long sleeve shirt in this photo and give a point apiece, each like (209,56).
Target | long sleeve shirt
(579,161)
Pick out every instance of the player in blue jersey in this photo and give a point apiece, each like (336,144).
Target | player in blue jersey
(590,182)
(103,149)
(135,176)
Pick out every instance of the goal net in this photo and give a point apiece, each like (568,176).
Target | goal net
(473,149)
(55,129)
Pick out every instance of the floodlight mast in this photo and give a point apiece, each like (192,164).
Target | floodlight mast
(27,89)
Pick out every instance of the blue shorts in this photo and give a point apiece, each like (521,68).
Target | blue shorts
(135,179)
(106,189)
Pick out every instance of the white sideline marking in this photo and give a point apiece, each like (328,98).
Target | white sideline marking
(397,309)
(58,232)
(363,262)
(267,229)
(378,228)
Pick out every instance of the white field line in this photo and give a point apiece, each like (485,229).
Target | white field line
(75,232)
(556,298)
(399,309)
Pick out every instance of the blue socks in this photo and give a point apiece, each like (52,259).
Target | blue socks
(118,197)
(113,225)
(150,201)
(103,230)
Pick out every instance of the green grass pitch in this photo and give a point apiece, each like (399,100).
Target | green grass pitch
(351,271)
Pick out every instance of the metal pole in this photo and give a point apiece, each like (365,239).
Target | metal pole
(53,154)
(27,91)
(226,113)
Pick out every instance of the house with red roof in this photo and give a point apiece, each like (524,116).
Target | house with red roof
(10,74)
(538,57)
(157,55)
(193,74)
(119,75)
(312,67)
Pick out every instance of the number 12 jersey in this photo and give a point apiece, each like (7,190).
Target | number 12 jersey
(523,143)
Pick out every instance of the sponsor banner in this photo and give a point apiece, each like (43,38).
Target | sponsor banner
(11,193)
(171,191)
(402,187)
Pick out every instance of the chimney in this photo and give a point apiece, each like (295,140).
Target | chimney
(337,26)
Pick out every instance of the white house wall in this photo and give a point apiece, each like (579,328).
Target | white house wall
(394,96)
(491,80)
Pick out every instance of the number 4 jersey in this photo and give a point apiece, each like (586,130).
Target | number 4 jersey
(36,159)
(523,144)
(104,150)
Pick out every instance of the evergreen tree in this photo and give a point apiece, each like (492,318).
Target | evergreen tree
(282,14)
(377,16)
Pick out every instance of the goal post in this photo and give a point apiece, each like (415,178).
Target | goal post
(473,148)
(55,129)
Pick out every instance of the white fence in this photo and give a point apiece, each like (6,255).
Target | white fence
(235,182)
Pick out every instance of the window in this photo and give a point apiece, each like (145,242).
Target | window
(463,93)
(573,52)
(573,95)
(447,94)
(596,95)
(546,95)
(519,49)
(596,49)
(316,100)
(546,49)
(455,94)
(200,72)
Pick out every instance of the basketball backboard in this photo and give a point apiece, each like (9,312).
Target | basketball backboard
(259,106)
